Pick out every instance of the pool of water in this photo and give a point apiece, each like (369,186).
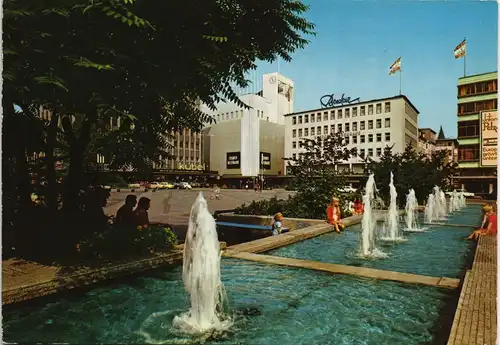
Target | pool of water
(440,251)
(288,306)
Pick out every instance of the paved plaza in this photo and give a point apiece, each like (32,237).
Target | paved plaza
(181,201)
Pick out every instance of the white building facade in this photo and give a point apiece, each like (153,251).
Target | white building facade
(244,135)
(368,126)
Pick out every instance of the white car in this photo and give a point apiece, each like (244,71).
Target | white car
(154,185)
(185,185)
(466,194)
(347,189)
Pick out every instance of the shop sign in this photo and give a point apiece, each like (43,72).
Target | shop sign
(328,101)
(489,138)
(233,160)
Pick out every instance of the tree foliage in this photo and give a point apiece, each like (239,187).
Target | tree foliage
(150,64)
(315,177)
(412,170)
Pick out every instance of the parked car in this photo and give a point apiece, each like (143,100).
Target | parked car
(167,185)
(154,185)
(466,194)
(134,185)
(185,185)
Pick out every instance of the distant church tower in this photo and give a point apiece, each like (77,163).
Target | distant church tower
(441,133)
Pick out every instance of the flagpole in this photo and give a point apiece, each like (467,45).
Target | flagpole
(400,80)
(465,55)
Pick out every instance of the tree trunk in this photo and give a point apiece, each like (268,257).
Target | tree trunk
(50,163)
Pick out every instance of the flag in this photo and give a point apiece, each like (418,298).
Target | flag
(396,66)
(460,50)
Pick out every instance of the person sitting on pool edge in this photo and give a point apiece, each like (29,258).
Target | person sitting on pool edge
(333,215)
(491,228)
(278,223)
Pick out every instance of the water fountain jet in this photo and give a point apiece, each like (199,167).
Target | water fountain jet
(392,232)
(429,209)
(411,210)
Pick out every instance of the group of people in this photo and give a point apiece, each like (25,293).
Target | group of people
(489,223)
(127,215)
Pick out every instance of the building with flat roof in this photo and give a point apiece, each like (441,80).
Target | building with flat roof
(477,119)
(247,143)
(368,126)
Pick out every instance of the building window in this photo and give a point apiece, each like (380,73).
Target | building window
(379,152)
(300,119)
(387,136)
(306,132)
(362,110)
(294,133)
(318,130)
(306,118)
(379,108)
(354,126)
(313,118)
(370,124)
(362,138)
(370,152)
(468,129)
(347,113)
(218,117)
(325,116)
(387,122)
(477,88)
(347,127)
(232,115)
(241,113)
(379,123)
(346,140)
(379,137)
(294,156)
(339,114)
(339,127)
(318,117)
(354,111)
(332,115)
(312,131)
(468,153)
(300,133)
(294,144)
(325,129)
(476,107)
(261,114)
(387,107)
(332,128)
(354,139)
(370,138)
(370,109)
(362,125)
(301,144)
(362,153)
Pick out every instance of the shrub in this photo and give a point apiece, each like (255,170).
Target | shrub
(263,207)
(125,241)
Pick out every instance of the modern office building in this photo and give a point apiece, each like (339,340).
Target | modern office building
(247,143)
(368,126)
(477,132)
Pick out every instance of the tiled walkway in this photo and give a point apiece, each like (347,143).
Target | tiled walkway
(475,321)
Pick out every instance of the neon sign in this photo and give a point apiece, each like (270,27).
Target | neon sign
(327,101)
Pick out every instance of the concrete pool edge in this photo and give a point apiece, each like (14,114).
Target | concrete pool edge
(441,282)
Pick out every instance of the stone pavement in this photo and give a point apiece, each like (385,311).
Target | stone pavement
(475,321)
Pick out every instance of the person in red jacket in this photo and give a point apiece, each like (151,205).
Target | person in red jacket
(333,215)
(491,220)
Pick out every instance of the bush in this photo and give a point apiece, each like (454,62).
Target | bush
(125,241)
(263,207)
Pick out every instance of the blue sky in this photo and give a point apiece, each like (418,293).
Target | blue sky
(357,41)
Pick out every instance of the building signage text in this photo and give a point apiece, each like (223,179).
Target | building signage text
(328,101)
(489,138)
(265,160)
(190,167)
(233,160)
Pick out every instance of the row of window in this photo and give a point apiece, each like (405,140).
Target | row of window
(341,128)
(468,153)
(362,153)
(468,129)
(362,139)
(341,113)
(483,87)
(238,114)
(476,107)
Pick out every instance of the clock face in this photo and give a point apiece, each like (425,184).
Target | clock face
(272,80)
